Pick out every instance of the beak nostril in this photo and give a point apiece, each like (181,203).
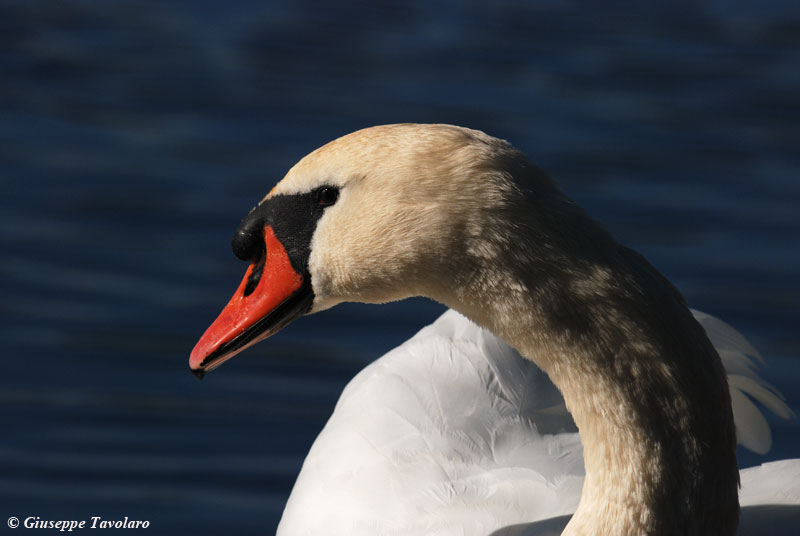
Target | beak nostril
(258,271)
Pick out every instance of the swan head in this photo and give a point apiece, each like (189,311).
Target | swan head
(378,215)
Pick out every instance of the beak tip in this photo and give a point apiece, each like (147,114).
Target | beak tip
(198,373)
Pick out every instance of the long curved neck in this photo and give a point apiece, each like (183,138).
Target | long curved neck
(643,383)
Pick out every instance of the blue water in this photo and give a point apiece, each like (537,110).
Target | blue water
(135,135)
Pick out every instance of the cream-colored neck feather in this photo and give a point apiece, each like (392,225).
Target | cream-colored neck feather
(644,385)
(467,220)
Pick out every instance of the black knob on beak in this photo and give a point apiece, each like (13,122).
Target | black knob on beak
(248,240)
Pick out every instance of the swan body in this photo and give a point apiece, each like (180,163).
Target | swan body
(438,435)
(454,432)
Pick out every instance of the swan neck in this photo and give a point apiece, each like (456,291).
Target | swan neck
(643,383)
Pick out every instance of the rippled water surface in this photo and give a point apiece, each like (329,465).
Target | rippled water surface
(135,135)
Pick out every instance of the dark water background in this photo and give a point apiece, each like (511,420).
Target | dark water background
(135,135)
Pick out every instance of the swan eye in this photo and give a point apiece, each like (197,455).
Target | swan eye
(327,195)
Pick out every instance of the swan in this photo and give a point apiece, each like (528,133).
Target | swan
(464,429)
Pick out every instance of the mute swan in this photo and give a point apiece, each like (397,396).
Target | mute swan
(453,433)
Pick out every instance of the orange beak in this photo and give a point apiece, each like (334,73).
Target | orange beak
(271,295)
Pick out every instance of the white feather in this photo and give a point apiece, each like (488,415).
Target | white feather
(454,432)
(739,358)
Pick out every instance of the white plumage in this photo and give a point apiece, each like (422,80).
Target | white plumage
(455,429)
